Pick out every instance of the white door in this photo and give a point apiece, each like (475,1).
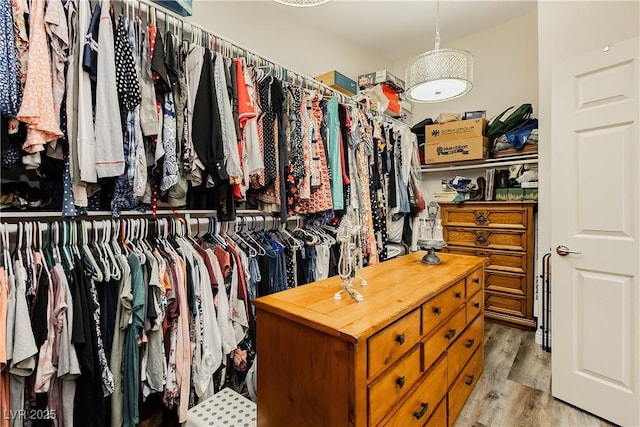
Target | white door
(595,209)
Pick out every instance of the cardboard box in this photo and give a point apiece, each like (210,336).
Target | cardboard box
(381,77)
(339,82)
(444,196)
(455,130)
(459,150)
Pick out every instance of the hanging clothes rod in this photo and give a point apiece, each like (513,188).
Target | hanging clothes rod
(20,216)
(251,56)
(98,224)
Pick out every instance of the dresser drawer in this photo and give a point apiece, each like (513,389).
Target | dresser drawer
(464,384)
(514,262)
(515,284)
(442,306)
(475,282)
(505,304)
(423,399)
(442,338)
(474,306)
(462,349)
(513,240)
(439,417)
(392,342)
(393,384)
(485,216)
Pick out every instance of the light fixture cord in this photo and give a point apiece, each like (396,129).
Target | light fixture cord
(437,25)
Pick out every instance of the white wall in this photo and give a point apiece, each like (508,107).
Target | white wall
(505,74)
(307,49)
(505,69)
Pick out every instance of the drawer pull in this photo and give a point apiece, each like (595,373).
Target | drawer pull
(437,310)
(469,381)
(476,304)
(469,343)
(450,334)
(458,295)
(476,280)
(400,381)
(481,217)
(419,414)
(400,339)
(482,238)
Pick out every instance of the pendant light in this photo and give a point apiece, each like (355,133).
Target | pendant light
(440,74)
(302,3)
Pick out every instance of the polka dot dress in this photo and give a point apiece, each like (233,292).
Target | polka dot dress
(268,133)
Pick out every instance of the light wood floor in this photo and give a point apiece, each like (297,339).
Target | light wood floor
(515,387)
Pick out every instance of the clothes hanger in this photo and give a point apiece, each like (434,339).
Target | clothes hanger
(17,253)
(47,246)
(241,242)
(214,231)
(89,258)
(57,257)
(32,267)
(124,239)
(95,247)
(5,250)
(248,235)
(297,244)
(308,238)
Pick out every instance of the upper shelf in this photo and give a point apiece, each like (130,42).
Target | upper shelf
(479,164)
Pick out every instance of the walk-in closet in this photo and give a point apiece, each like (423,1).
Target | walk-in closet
(317,213)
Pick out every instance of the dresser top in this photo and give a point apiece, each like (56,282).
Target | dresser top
(395,287)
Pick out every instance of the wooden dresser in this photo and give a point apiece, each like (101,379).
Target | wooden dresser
(408,355)
(503,232)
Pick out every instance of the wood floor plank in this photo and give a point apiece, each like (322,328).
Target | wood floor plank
(515,388)
(560,413)
(532,365)
(521,406)
(501,344)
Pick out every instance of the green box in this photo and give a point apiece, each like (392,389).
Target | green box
(515,195)
(530,194)
(501,195)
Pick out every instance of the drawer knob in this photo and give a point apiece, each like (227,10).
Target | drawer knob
(419,414)
(482,238)
(458,295)
(469,380)
(470,343)
(476,280)
(400,381)
(400,339)
(437,310)
(450,334)
(481,217)
(476,304)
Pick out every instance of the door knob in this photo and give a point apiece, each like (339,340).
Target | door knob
(562,250)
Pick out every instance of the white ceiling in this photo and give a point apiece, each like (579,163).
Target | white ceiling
(398,28)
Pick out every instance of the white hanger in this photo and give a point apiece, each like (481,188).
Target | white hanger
(55,244)
(98,269)
(103,258)
(5,250)
(19,243)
